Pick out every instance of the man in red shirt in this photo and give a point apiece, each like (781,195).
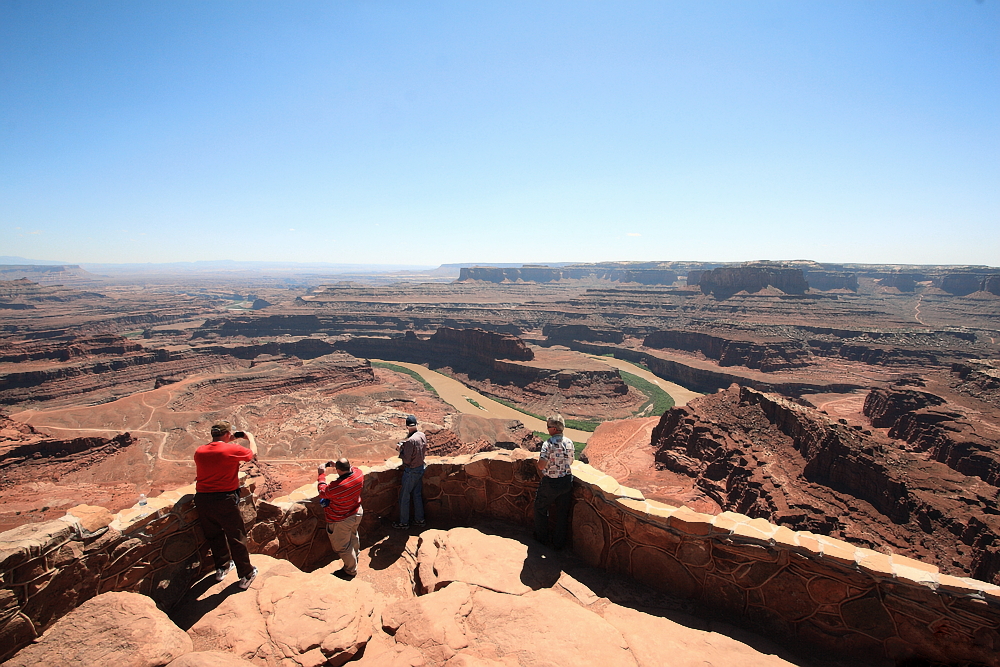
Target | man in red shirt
(343,513)
(217,497)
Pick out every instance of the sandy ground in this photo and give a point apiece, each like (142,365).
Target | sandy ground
(622,449)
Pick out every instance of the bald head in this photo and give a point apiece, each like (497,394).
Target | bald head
(343,465)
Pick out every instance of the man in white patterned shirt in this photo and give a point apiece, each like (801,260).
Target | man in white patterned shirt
(555,491)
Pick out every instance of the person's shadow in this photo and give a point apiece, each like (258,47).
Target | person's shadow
(192,607)
(386,548)
(541,568)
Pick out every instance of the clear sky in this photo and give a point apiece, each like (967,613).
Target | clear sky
(435,132)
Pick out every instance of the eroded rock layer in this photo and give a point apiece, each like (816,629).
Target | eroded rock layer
(764,456)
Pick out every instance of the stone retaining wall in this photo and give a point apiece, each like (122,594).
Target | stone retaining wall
(803,589)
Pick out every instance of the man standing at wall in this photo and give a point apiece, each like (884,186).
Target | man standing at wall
(343,513)
(217,497)
(412,452)
(555,491)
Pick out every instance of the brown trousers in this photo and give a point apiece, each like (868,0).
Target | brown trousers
(344,540)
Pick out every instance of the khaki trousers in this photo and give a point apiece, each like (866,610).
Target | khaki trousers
(345,542)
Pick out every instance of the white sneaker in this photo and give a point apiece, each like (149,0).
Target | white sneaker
(221,573)
(247,580)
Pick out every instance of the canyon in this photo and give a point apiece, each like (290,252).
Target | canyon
(859,402)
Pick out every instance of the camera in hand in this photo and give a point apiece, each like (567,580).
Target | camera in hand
(239,434)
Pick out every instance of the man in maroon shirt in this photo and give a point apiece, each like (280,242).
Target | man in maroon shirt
(217,497)
(343,513)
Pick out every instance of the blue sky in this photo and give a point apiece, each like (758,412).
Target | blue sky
(432,132)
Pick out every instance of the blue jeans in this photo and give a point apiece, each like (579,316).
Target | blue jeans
(413,484)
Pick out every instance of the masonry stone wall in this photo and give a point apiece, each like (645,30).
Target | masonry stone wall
(819,593)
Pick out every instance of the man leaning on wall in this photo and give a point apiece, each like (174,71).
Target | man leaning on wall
(217,497)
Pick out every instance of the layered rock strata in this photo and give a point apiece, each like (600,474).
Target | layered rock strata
(49,458)
(761,455)
(502,366)
(768,356)
(726,281)
(980,380)
(941,431)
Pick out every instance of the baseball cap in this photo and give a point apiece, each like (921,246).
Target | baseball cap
(411,420)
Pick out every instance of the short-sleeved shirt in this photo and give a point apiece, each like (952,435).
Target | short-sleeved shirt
(413,450)
(344,494)
(559,452)
(218,466)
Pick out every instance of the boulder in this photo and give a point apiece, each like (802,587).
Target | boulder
(434,623)
(287,617)
(489,561)
(119,629)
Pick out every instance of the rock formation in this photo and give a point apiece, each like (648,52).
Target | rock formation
(991,284)
(561,333)
(980,379)
(768,356)
(110,629)
(479,345)
(286,617)
(883,406)
(961,284)
(470,434)
(727,281)
(760,455)
(831,280)
(931,426)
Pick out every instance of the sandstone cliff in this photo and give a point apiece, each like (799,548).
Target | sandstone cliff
(979,379)
(727,281)
(761,455)
(830,280)
(768,356)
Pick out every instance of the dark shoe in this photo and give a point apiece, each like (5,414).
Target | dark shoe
(400,526)
(343,574)
(419,523)
(220,573)
(247,580)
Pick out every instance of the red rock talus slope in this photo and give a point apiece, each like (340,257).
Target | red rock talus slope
(767,457)
(36,472)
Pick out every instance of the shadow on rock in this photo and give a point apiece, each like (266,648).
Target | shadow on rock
(541,567)
(192,606)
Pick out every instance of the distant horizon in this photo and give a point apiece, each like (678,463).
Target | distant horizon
(389,268)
